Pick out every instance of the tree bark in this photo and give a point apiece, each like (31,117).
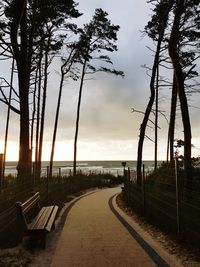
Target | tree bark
(21,54)
(172,119)
(8,119)
(78,116)
(156,121)
(34,110)
(37,168)
(64,71)
(56,125)
(175,58)
(43,107)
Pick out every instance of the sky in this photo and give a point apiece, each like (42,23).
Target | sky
(108,128)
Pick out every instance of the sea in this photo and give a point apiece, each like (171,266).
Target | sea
(100,167)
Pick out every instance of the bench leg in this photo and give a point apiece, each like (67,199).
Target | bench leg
(43,240)
(33,241)
(38,239)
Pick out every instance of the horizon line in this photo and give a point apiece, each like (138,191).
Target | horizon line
(94,160)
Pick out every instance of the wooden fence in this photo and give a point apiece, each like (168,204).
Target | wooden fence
(167,205)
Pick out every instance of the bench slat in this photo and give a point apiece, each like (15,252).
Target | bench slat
(52,219)
(36,219)
(41,219)
(45,217)
(27,205)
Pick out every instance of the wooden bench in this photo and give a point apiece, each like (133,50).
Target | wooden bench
(36,221)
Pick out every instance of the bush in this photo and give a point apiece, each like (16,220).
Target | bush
(164,174)
(15,257)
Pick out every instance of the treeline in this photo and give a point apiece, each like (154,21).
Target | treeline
(32,34)
(174,28)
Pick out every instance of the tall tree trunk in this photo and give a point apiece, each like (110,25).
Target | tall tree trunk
(37,168)
(172,119)
(64,71)
(24,164)
(156,120)
(29,60)
(8,119)
(174,55)
(78,116)
(56,125)
(152,96)
(21,52)
(34,111)
(43,105)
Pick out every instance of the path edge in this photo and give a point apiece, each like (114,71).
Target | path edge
(171,260)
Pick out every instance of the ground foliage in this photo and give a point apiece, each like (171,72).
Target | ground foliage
(14,257)
(165,174)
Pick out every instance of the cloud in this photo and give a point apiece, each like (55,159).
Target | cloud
(105,111)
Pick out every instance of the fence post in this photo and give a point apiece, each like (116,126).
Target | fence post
(126,184)
(59,173)
(47,183)
(33,175)
(143,190)
(1,170)
(59,177)
(177,197)
(129,185)
(124,165)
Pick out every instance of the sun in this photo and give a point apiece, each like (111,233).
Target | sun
(12,153)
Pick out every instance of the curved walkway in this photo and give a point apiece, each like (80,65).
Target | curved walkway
(94,235)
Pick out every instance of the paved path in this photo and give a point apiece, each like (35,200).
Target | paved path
(93,236)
